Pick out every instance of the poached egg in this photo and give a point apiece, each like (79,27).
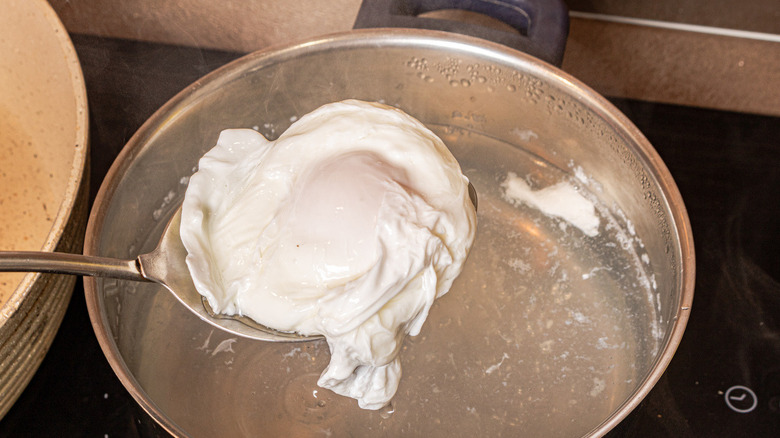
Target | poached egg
(348,225)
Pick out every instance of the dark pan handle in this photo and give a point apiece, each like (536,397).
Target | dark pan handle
(542,25)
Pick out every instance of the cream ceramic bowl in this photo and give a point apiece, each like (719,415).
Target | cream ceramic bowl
(43,195)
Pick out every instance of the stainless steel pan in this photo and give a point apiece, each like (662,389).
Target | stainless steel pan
(549,331)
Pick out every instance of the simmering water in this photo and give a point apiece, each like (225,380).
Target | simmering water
(542,335)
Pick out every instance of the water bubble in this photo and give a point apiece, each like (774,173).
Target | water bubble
(454,83)
(307,406)
(465,82)
(511,88)
(387,411)
(417,63)
(481,79)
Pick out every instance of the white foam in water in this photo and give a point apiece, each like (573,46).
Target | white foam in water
(561,200)
(565,201)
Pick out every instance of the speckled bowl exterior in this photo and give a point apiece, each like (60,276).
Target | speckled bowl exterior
(25,336)
(44,96)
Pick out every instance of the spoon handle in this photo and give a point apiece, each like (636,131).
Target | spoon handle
(65,263)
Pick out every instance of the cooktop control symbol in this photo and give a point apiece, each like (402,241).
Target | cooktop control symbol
(741,399)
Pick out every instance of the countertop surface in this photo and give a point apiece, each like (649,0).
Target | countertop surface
(663,57)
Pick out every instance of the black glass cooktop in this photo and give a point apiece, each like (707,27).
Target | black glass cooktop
(724,379)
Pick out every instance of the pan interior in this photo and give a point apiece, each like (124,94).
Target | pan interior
(548,331)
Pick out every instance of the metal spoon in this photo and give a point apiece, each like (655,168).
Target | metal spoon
(164,265)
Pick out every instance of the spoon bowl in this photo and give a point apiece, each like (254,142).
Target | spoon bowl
(166,265)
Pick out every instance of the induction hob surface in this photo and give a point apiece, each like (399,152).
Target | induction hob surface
(724,379)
